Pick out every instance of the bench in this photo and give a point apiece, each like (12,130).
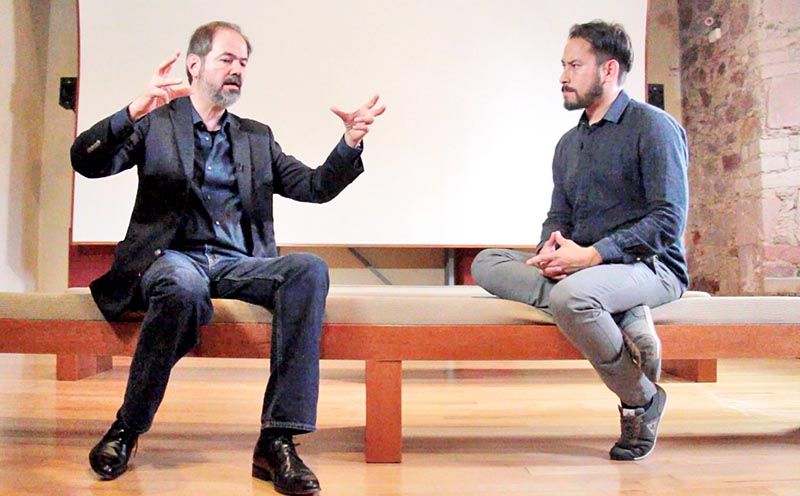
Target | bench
(385,325)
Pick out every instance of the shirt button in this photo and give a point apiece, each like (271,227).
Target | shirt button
(209,167)
(157,252)
(208,197)
(217,222)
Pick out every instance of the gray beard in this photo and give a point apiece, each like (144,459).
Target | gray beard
(225,100)
(220,97)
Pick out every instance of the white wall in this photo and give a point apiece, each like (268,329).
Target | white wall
(59,128)
(21,89)
(463,155)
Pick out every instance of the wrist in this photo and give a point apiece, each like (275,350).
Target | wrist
(349,141)
(594,256)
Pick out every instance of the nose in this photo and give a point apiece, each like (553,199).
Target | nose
(564,79)
(237,67)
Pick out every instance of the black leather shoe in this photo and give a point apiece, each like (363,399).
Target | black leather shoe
(276,460)
(109,458)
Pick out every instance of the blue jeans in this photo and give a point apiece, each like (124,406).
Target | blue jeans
(177,289)
(586,306)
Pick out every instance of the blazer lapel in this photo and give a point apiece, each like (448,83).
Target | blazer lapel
(242,162)
(184,133)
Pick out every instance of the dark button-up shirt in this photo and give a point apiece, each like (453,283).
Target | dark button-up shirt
(215,216)
(621,186)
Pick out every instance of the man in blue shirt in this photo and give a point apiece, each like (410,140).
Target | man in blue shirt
(611,244)
(202,228)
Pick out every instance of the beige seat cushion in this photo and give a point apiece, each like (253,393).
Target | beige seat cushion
(422,305)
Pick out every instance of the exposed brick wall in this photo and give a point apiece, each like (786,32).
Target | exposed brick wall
(741,109)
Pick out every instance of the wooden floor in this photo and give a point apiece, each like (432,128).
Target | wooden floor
(470,428)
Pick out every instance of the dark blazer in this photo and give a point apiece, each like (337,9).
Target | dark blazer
(161,144)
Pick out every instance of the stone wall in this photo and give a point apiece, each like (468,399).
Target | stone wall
(779,62)
(740,74)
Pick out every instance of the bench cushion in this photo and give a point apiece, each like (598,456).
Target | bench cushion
(422,305)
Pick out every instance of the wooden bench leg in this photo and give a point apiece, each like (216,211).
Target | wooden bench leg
(72,367)
(693,370)
(384,433)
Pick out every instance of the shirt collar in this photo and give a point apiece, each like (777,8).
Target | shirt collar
(223,121)
(614,112)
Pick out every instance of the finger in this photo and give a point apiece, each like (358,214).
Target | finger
(166,82)
(342,114)
(554,271)
(372,101)
(379,111)
(160,95)
(179,92)
(166,65)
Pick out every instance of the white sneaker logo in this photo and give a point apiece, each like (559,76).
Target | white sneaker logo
(651,426)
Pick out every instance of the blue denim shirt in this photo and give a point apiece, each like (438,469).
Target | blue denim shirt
(621,186)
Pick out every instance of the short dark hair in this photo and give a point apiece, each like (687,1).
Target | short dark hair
(609,41)
(203,38)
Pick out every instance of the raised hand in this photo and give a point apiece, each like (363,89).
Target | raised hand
(160,90)
(357,123)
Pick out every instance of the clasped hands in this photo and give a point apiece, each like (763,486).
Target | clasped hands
(560,257)
(161,89)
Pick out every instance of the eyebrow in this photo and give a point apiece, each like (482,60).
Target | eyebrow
(231,54)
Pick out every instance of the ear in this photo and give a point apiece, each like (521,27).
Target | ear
(610,71)
(193,65)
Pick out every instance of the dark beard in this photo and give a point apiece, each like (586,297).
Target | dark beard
(585,101)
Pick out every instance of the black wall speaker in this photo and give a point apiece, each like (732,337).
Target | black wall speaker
(66,94)
(655,95)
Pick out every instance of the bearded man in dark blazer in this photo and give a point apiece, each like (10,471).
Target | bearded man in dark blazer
(202,228)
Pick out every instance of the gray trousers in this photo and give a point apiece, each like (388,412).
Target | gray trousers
(586,306)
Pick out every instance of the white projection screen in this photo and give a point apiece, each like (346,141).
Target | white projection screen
(462,155)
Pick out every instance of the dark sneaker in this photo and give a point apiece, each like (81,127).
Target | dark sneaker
(639,429)
(639,336)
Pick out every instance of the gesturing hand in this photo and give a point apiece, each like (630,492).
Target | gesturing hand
(357,123)
(160,90)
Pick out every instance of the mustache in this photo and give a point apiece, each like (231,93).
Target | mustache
(564,87)
(237,80)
